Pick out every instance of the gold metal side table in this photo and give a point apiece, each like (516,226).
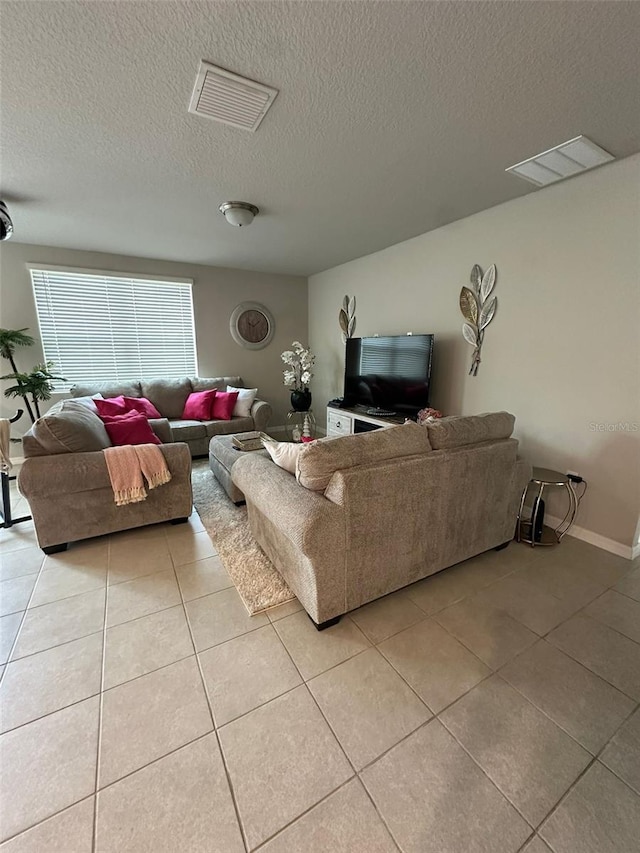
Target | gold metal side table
(543,478)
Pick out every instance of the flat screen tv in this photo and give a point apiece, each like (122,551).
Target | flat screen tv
(391,373)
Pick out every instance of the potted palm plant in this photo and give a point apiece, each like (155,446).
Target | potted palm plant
(37,384)
(34,387)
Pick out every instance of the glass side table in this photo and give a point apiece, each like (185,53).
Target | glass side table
(541,479)
(299,425)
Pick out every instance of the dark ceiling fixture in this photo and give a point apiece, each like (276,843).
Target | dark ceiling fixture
(6,225)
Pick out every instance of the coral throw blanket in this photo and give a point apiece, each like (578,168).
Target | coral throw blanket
(127,464)
(5,446)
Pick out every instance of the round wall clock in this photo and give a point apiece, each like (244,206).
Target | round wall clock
(252,325)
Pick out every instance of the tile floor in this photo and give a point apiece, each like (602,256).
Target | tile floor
(493,708)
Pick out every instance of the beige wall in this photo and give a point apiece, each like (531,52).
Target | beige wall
(562,352)
(216,292)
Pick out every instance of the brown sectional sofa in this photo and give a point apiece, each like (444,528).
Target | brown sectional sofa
(379,510)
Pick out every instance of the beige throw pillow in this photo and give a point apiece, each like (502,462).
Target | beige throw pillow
(74,429)
(284,454)
(246,396)
(89,402)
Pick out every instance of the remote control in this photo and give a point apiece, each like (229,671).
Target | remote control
(380,413)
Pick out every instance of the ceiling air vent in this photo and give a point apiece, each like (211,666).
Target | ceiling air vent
(563,161)
(226,97)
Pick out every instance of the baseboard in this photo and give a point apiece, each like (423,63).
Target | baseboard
(596,539)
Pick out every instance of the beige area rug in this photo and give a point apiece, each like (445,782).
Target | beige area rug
(257,580)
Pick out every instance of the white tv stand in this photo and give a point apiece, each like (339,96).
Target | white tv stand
(349,421)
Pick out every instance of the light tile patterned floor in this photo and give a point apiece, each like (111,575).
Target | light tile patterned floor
(491,709)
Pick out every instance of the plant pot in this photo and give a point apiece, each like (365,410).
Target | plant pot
(301,400)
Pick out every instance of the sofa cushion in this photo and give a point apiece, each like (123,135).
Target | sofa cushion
(130,428)
(223,405)
(89,402)
(246,396)
(319,460)
(186,430)
(228,427)
(73,429)
(167,395)
(142,405)
(199,405)
(450,432)
(111,406)
(113,388)
(203,383)
(284,453)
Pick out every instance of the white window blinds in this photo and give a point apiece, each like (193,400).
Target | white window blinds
(98,326)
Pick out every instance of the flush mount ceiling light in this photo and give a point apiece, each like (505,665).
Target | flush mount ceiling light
(570,158)
(238,213)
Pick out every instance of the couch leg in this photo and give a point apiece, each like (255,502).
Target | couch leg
(55,549)
(179,520)
(322,625)
(503,546)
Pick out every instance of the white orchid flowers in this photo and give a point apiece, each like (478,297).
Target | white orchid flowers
(300,361)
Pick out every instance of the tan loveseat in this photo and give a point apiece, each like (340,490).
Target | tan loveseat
(169,397)
(71,498)
(64,476)
(376,511)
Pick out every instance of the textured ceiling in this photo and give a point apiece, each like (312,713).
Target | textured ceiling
(393,118)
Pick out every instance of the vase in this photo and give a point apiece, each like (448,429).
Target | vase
(301,400)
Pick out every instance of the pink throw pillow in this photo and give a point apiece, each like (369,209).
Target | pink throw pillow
(130,428)
(142,405)
(199,406)
(111,406)
(223,405)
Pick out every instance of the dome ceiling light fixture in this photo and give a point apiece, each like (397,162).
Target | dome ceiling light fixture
(6,225)
(238,213)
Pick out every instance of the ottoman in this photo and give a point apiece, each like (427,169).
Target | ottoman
(222,457)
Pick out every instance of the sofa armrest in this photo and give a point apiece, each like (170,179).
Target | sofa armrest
(275,492)
(301,532)
(70,473)
(162,429)
(261,413)
(522,475)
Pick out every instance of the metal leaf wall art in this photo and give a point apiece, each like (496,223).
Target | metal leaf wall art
(478,307)
(347,317)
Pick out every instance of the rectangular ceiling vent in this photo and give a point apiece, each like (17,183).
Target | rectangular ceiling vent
(229,98)
(572,157)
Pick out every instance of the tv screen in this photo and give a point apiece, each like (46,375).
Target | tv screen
(390,373)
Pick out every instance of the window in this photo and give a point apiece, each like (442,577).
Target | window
(98,326)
